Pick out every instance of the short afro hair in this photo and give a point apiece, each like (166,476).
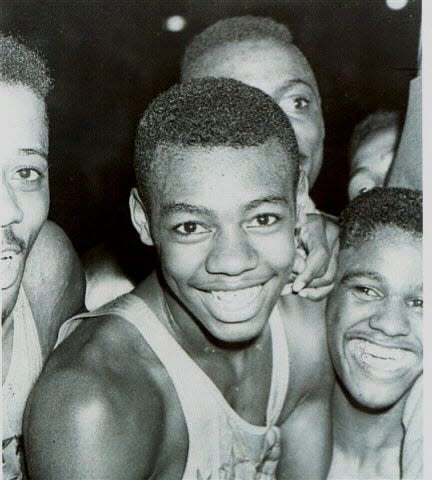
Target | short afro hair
(231,30)
(380,207)
(210,112)
(21,66)
(372,123)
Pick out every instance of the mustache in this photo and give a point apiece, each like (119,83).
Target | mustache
(10,240)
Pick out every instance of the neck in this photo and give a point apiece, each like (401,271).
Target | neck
(360,430)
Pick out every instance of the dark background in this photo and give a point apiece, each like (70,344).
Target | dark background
(109,59)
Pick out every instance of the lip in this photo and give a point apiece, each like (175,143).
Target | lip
(10,266)
(7,252)
(233,305)
(381,360)
(401,345)
(223,287)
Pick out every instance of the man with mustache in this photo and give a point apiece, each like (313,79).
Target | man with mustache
(374,325)
(204,371)
(41,278)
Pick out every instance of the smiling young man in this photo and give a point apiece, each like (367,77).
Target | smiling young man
(41,278)
(189,376)
(374,331)
(259,52)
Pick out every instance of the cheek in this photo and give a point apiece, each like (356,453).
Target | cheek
(180,262)
(35,206)
(277,250)
(309,133)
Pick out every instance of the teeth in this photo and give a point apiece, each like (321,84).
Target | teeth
(242,296)
(9,269)
(378,351)
(386,358)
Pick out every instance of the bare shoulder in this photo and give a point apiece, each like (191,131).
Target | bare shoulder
(53,281)
(310,366)
(89,411)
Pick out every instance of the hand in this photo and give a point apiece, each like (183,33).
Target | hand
(316,258)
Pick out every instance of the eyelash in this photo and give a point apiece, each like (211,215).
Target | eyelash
(41,174)
(365,292)
(275,217)
(176,229)
(183,234)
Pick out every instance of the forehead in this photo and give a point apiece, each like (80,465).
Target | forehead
(264,64)
(393,254)
(222,177)
(22,120)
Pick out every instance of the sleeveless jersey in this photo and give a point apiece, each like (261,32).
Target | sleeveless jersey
(222,445)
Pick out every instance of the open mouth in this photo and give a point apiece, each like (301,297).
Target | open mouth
(234,305)
(381,359)
(9,268)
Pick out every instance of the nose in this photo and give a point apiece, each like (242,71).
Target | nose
(10,210)
(392,319)
(232,254)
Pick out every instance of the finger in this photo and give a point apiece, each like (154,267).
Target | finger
(329,277)
(316,266)
(287,289)
(316,294)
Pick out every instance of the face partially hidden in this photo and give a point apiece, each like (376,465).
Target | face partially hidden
(223,226)
(24,189)
(374,318)
(372,160)
(283,73)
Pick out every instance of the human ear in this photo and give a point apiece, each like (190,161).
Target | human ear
(139,217)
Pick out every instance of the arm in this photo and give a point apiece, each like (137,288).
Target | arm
(307,440)
(78,427)
(54,282)
(306,427)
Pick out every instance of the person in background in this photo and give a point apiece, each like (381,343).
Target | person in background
(259,52)
(373,146)
(406,169)
(42,283)
(204,370)
(374,329)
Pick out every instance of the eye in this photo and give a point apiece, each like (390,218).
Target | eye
(416,302)
(300,103)
(263,220)
(27,174)
(295,104)
(366,293)
(190,228)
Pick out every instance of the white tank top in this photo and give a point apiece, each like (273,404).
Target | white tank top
(222,445)
(24,369)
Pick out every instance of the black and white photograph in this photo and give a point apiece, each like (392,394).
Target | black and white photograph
(212,239)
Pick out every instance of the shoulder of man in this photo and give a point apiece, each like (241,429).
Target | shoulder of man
(311,372)
(54,282)
(88,415)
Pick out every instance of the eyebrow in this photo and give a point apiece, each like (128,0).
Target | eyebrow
(183,207)
(34,151)
(361,273)
(275,199)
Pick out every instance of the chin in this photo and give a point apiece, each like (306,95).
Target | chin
(242,332)
(376,397)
